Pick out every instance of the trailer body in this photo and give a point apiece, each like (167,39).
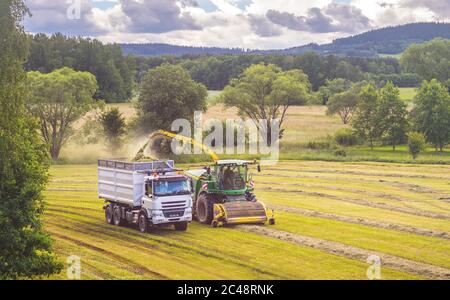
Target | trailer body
(144,193)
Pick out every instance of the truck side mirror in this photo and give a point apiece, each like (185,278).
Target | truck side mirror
(259,168)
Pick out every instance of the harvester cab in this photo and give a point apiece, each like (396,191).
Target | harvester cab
(223,194)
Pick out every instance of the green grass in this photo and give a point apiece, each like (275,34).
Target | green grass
(74,217)
(384,55)
(408,94)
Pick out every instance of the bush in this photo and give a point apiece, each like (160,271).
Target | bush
(346,137)
(340,152)
(321,144)
(416,143)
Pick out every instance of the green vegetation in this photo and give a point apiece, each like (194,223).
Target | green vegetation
(266,93)
(58,99)
(416,143)
(392,116)
(168,93)
(429,60)
(114,72)
(432,113)
(113,126)
(408,94)
(25,250)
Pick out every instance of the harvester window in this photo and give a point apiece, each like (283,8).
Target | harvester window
(233,177)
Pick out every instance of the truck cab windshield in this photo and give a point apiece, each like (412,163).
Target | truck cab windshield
(169,188)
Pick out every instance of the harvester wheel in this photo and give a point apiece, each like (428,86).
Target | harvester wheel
(205,209)
(109,214)
(117,216)
(182,226)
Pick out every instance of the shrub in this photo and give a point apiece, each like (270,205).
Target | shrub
(321,144)
(340,152)
(346,137)
(416,143)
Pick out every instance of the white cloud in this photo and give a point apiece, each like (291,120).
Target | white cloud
(258,24)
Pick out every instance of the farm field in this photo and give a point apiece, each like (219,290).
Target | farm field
(303,124)
(408,94)
(331,217)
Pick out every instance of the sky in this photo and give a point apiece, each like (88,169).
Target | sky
(250,24)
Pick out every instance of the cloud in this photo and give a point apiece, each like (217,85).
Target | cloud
(440,7)
(258,24)
(350,18)
(318,22)
(287,20)
(74,18)
(156,16)
(263,27)
(332,18)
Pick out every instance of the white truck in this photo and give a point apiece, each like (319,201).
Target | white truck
(144,193)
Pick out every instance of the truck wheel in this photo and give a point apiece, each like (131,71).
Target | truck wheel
(117,216)
(143,223)
(182,226)
(109,214)
(204,209)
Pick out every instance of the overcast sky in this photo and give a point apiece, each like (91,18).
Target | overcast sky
(256,24)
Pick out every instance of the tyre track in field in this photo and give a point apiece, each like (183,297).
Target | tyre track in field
(361,221)
(406,210)
(350,172)
(404,201)
(111,231)
(135,244)
(412,187)
(128,264)
(390,261)
(94,270)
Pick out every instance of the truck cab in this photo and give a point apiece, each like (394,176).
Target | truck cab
(167,198)
(145,194)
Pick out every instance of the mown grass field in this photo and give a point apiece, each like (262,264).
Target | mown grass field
(331,217)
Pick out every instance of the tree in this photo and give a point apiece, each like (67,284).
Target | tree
(168,93)
(113,125)
(392,116)
(265,92)
(348,71)
(114,71)
(429,60)
(25,249)
(343,104)
(58,99)
(365,119)
(416,143)
(333,87)
(432,113)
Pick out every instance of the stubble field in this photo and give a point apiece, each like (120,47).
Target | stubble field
(331,217)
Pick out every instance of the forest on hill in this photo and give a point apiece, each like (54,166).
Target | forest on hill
(388,40)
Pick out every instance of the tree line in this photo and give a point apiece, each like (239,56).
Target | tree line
(379,115)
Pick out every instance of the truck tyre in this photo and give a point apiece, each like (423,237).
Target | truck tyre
(182,226)
(109,214)
(143,223)
(204,209)
(117,216)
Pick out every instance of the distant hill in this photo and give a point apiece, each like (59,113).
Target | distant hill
(166,49)
(389,40)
